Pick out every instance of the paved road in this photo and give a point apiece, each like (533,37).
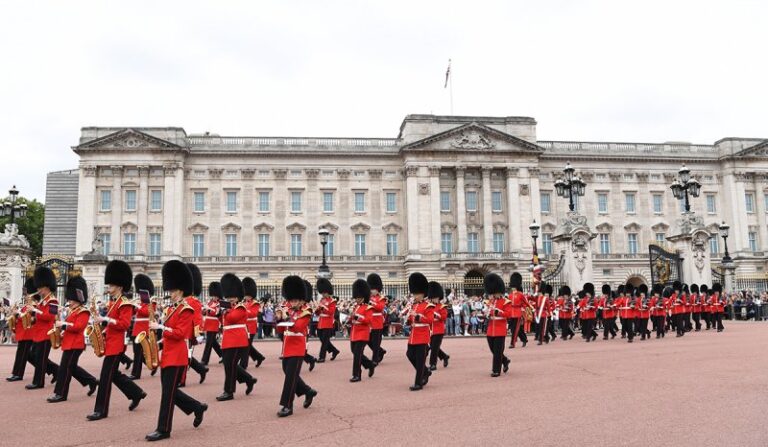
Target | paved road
(705,389)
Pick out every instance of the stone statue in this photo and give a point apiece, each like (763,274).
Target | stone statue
(11,237)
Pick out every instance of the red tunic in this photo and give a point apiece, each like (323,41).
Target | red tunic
(21,333)
(120,311)
(500,310)
(378,303)
(295,336)
(657,307)
(235,333)
(543,305)
(361,320)
(72,337)
(696,303)
(253,308)
(715,304)
(678,306)
(326,312)
(141,320)
(588,311)
(441,314)
(420,321)
(644,311)
(44,319)
(211,317)
(197,317)
(179,327)
(518,301)
(609,308)
(564,314)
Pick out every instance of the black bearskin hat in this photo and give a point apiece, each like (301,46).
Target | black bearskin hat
(293,288)
(581,294)
(29,286)
(374,282)
(73,285)
(361,289)
(324,286)
(717,287)
(677,286)
(142,282)
(589,288)
(621,289)
(703,288)
(685,288)
(197,279)
(118,273)
(44,277)
(493,284)
(516,281)
(231,286)
(643,289)
(657,289)
(606,289)
(214,289)
(564,291)
(177,276)
(694,288)
(435,290)
(249,287)
(308,287)
(418,284)
(667,292)
(629,289)
(548,289)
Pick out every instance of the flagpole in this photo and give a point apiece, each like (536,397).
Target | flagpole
(450,87)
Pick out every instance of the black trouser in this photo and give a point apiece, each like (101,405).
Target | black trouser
(210,343)
(706,316)
(565,328)
(542,331)
(588,328)
(697,320)
(232,368)
(626,327)
(551,328)
(109,375)
(43,366)
(642,327)
(68,369)
(717,320)
(23,349)
(252,352)
(374,342)
(359,360)
(293,385)
(124,359)
(435,352)
(138,355)
(172,396)
(517,328)
(417,355)
(496,345)
(679,324)
(609,326)
(325,342)
(658,322)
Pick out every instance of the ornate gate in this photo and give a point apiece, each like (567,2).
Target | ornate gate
(554,275)
(666,266)
(62,267)
(718,276)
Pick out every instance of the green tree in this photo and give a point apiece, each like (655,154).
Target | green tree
(30,225)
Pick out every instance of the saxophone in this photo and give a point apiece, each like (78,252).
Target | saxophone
(12,317)
(94,334)
(148,341)
(27,319)
(55,333)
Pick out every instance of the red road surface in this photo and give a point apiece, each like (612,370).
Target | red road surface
(705,389)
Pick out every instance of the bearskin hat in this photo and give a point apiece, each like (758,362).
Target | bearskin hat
(564,291)
(308,287)
(44,277)
(249,287)
(621,289)
(361,289)
(677,286)
(231,286)
(177,276)
(293,288)
(548,289)
(685,287)
(703,288)
(694,288)
(214,289)
(197,279)
(657,289)
(418,284)
(324,286)
(493,284)
(118,273)
(589,288)
(142,282)
(374,282)
(516,281)
(435,290)
(606,289)
(643,289)
(73,285)
(667,292)
(581,294)
(29,286)
(717,287)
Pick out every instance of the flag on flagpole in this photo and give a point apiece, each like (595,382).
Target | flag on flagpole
(447,74)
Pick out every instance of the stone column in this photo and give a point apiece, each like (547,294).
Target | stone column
(574,238)
(513,209)
(461,210)
(344,242)
(173,195)
(247,238)
(693,247)
(761,216)
(313,201)
(15,256)
(142,210)
(738,211)
(86,209)
(729,274)
(434,189)
(117,209)
(412,203)
(487,213)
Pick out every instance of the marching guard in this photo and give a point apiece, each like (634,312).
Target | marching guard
(499,310)
(658,310)
(326,322)
(543,312)
(18,322)
(379,304)
(588,312)
(436,295)
(696,307)
(717,307)
(565,312)
(141,321)
(211,322)
(419,317)
(643,313)
(519,301)
(46,312)
(608,307)
(253,308)
(194,302)
(361,319)
(234,341)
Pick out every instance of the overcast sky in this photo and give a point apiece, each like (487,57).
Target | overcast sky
(586,70)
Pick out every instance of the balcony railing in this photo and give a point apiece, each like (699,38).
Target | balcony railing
(297,259)
(599,256)
(461,256)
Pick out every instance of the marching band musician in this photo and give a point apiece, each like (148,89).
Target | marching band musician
(178,329)
(194,302)
(435,294)
(141,321)
(326,311)
(706,309)
(420,318)
(234,342)
(678,308)
(211,323)
(379,303)
(118,278)
(23,336)
(519,301)
(294,332)
(643,313)
(565,312)
(658,309)
(608,306)
(717,307)
(360,333)
(499,310)
(73,341)
(253,308)
(308,358)
(543,309)
(45,314)
(588,313)
(696,307)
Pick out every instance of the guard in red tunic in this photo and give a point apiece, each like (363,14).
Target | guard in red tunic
(118,278)
(379,304)
(141,321)
(658,310)
(45,313)
(608,307)
(326,322)
(294,330)
(678,308)
(178,328)
(519,301)
(717,307)
(211,322)
(253,308)
(565,312)
(23,336)
(436,295)
(361,319)
(197,329)
(234,341)
(588,312)
(627,305)
(643,313)
(499,310)
(73,341)
(309,358)
(419,316)
(706,309)
(543,314)
(695,298)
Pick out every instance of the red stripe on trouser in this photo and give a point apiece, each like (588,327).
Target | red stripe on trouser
(174,387)
(109,385)
(293,385)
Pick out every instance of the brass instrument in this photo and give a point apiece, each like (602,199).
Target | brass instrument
(148,341)
(94,334)
(55,332)
(12,317)
(27,318)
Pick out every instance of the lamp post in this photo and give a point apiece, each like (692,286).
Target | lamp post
(536,267)
(724,234)
(685,185)
(323,271)
(11,209)
(534,227)
(570,186)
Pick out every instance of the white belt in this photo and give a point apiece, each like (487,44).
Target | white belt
(234,326)
(420,325)
(140,319)
(210,318)
(325,315)
(498,318)
(378,315)
(292,334)
(253,319)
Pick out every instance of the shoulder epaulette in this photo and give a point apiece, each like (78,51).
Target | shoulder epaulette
(305,313)
(124,302)
(430,305)
(240,305)
(83,309)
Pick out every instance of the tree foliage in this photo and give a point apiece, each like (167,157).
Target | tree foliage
(30,225)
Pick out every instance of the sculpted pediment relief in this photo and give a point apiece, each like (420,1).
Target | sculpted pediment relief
(231,226)
(392,228)
(758,150)
(296,226)
(330,226)
(474,137)
(263,227)
(198,227)
(360,226)
(128,139)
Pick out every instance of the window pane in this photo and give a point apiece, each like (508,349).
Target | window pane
(711,207)
(129,243)
(445,201)
(714,245)
(545,205)
(130,200)
(605,244)
(198,245)
(264,201)
(295,245)
(106,240)
(657,203)
(327,202)
(359,202)
(231,245)
(296,201)
(156,202)
(602,203)
(498,242)
(661,238)
(154,244)
(472,245)
(446,242)
(359,245)
(391,245)
(546,241)
(630,202)
(391,202)
(106,200)
(231,201)
(749,199)
(632,243)
(263,245)
(329,245)
(496,201)
(199,202)
(752,241)
(471,200)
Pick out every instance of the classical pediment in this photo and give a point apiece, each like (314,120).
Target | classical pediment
(473,137)
(392,227)
(198,227)
(759,150)
(296,227)
(263,227)
(231,226)
(330,226)
(128,139)
(360,227)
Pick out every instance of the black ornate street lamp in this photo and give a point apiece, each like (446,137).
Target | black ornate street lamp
(11,209)
(534,227)
(323,271)
(724,234)
(571,186)
(684,185)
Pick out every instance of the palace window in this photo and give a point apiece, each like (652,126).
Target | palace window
(231,245)
(155,244)
(156,200)
(263,201)
(498,242)
(632,243)
(629,201)
(198,245)
(327,202)
(472,201)
(749,200)
(295,201)
(263,245)
(445,201)
(359,202)
(391,202)
(752,241)
(359,245)
(605,243)
(106,241)
(446,242)
(711,205)
(295,245)
(231,201)
(130,200)
(129,243)
(472,243)
(546,243)
(391,245)
(329,246)
(496,201)
(602,202)
(545,202)
(714,244)
(658,203)
(661,238)
(199,202)
(106,200)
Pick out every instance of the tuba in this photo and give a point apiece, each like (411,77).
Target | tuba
(148,341)
(94,334)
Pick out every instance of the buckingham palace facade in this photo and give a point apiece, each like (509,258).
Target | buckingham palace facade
(449,195)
